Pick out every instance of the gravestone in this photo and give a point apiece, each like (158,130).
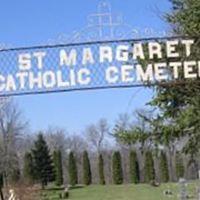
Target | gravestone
(198,189)
(12,195)
(183,189)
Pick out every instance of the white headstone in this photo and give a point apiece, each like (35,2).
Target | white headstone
(12,195)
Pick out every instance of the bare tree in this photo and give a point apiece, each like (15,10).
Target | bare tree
(76,143)
(96,134)
(56,138)
(12,129)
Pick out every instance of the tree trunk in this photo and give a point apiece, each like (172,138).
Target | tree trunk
(1,194)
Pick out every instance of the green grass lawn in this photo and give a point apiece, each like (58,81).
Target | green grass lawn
(123,192)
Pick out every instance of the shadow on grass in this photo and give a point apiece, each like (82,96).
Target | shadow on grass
(76,187)
(54,189)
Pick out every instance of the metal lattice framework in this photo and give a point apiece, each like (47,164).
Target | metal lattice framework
(106,24)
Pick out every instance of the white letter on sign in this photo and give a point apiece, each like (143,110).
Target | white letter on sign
(2,83)
(144,74)
(138,51)
(122,53)
(171,49)
(160,71)
(112,74)
(84,76)
(106,54)
(10,83)
(69,60)
(155,50)
(87,56)
(126,73)
(188,44)
(24,61)
(189,69)
(39,56)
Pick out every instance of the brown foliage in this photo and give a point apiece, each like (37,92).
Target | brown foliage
(24,192)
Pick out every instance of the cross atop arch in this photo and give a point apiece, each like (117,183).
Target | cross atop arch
(104,20)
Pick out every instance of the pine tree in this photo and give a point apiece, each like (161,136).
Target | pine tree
(28,169)
(185,15)
(134,168)
(101,170)
(180,170)
(164,170)
(73,176)
(173,102)
(149,167)
(87,175)
(57,158)
(117,168)
(43,166)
